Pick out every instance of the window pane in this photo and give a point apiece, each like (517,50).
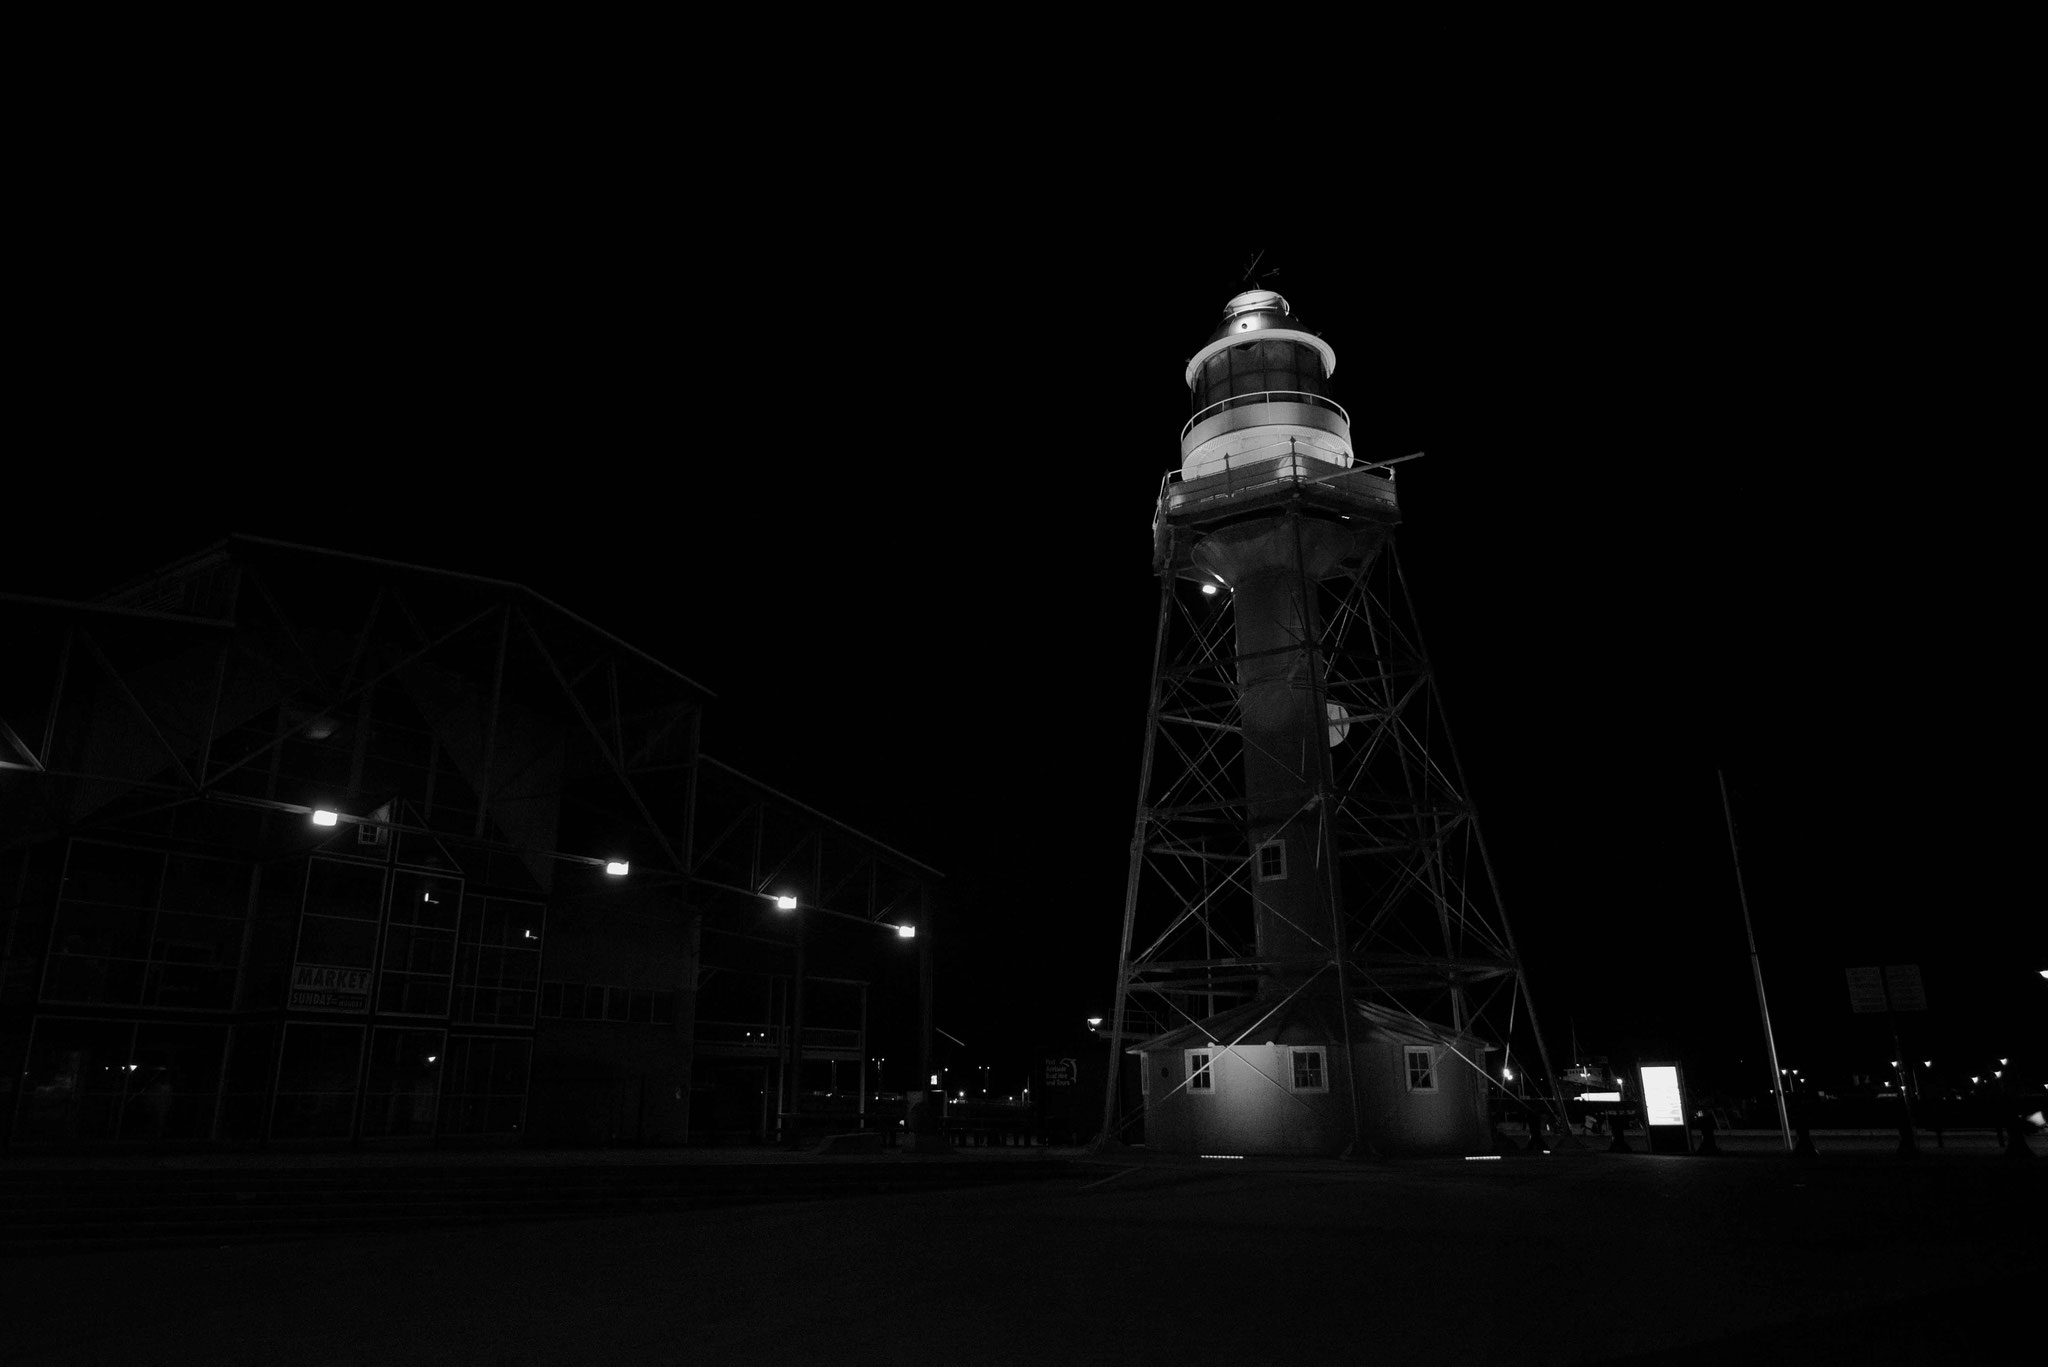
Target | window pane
(424,900)
(316,1082)
(111,873)
(355,891)
(403,1083)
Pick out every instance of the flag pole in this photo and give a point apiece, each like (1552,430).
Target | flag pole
(1755,964)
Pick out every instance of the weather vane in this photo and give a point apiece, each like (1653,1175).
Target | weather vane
(1252,275)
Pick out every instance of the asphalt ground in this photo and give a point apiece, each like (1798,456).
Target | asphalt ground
(1579,1257)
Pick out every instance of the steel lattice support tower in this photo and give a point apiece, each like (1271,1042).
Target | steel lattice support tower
(1304,833)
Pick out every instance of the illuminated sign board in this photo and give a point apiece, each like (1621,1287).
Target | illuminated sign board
(1609,1097)
(1662,1104)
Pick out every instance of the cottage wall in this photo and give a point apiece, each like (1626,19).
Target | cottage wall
(1253,1109)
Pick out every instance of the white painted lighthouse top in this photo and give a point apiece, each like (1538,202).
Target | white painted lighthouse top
(1260,312)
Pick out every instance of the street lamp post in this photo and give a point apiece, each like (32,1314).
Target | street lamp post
(793,1111)
(915,930)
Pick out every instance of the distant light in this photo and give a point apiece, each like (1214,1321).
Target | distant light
(1209,589)
(1926,1063)
(935,1079)
(2002,1062)
(530,935)
(1238,1156)
(1482,1158)
(323,817)
(906,932)
(1094,1020)
(785,902)
(617,868)
(432,1058)
(1508,1074)
(2044,972)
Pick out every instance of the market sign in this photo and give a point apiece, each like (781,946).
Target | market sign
(321,987)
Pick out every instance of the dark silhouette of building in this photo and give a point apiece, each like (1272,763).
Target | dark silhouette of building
(299,846)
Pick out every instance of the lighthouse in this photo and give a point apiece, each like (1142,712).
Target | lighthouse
(1314,956)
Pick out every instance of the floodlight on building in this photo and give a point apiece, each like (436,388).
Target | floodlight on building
(784,902)
(906,932)
(1209,589)
(617,868)
(1094,1022)
(323,817)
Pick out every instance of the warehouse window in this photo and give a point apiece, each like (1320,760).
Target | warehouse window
(1272,860)
(1421,1069)
(1308,1070)
(1200,1078)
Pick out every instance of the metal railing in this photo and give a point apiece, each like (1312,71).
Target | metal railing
(1299,396)
(1240,474)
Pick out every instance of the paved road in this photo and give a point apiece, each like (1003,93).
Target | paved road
(1582,1258)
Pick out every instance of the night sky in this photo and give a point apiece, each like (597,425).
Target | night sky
(1712,481)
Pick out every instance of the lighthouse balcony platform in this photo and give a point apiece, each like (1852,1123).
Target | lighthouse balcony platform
(1256,485)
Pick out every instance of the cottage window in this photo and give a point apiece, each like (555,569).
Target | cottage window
(1308,1070)
(1272,860)
(1421,1069)
(1200,1078)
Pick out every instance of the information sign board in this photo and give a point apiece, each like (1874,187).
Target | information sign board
(1663,1104)
(1902,984)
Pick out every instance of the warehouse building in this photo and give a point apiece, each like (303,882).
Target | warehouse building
(299,847)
